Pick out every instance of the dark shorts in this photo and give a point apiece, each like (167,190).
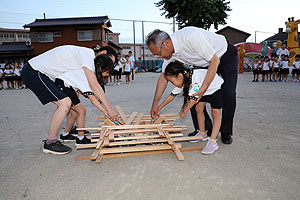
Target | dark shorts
(18,78)
(127,73)
(285,71)
(276,70)
(41,85)
(69,91)
(116,73)
(215,100)
(1,79)
(9,78)
(265,71)
(294,71)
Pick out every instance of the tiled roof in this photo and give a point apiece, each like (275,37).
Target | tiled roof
(14,46)
(229,27)
(69,21)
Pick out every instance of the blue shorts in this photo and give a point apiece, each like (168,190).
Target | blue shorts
(41,85)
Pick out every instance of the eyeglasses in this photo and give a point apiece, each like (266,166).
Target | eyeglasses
(159,54)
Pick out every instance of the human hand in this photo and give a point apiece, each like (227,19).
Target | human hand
(113,116)
(154,111)
(182,114)
(198,95)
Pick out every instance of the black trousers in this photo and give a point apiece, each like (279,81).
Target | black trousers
(228,69)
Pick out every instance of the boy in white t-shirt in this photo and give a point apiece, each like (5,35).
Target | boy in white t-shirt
(189,81)
(39,75)
(132,60)
(296,70)
(1,79)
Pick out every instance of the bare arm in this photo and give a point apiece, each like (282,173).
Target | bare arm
(98,105)
(166,102)
(98,91)
(211,72)
(160,88)
(190,104)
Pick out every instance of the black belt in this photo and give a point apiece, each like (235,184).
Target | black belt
(198,67)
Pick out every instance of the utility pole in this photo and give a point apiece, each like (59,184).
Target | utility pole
(134,39)
(44,15)
(143,43)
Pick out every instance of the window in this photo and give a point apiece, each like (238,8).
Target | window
(126,47)
(84,35)
(1,35)
(45,36)
(110,39)
(57,34)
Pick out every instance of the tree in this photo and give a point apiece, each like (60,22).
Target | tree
(200,13)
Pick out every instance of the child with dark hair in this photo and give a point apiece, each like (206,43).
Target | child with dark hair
(296,70)
(127,69)
(9,76)
(255,69)
(117,71)
(261,62)
(285,68)
(276,68)
(265,69)
(1,79)
(73,83)
(271,69)
(189,81)
(39,75)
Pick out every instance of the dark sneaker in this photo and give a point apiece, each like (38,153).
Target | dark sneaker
(56,148)
(193,133)
(85,140)
(67,138)
(75,132)
(226,138)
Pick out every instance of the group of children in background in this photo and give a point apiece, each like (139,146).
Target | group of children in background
(276,69)
(12,75)
(126,66)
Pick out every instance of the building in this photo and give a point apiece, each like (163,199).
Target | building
(233,35)
(138,50)
(280,36)
(14,35)
(82,31)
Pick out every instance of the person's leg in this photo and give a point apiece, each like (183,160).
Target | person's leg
(200,116)
(58,116)
(194,118)
(216,115)
(71,119)
(228,69)
(81,112)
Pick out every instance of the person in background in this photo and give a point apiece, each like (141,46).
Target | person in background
(9,76)
(1,79)
(265,69)
(18,79)
(271,69)
(127,69)
(140,66)
(285,68)
(132,61)
(276,68)
(117,72)
(261,62)
(255,69)
(296,70)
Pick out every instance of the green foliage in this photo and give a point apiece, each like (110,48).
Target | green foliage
(200,13)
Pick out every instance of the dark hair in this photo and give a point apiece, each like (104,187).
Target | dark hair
(129,51)
(266,57)
(103,63)
(109,51)
(127,56)
(175,68)
(297,56)
(256,57)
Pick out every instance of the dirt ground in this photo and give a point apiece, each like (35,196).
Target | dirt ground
(263,162)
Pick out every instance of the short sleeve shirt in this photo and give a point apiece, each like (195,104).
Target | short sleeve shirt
(76,79)
(63,59)
(296,64)
(196,46)
(197,80)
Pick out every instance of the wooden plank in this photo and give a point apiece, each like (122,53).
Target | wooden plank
(122,114)
(154,130)
(173,145)
(138,148)
(132,127)
(139,117)
(140,153)
(111,136)
(128,122)
(109,122)
(144,116)
(99,158)
(159,120)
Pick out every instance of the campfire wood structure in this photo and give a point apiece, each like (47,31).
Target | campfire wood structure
(136,134)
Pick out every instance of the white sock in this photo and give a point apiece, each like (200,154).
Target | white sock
(80,137)
(64,134)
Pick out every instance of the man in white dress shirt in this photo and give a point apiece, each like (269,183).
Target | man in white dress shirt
(202,49)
